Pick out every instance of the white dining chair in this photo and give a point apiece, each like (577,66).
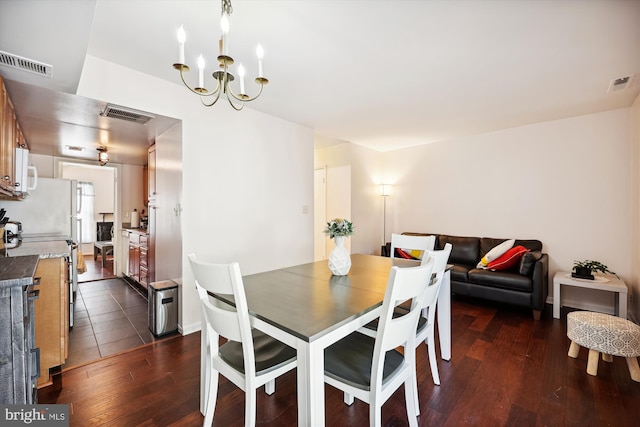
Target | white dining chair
(425,332)
(249,358)
(426,323)
(372,369)
(408,243)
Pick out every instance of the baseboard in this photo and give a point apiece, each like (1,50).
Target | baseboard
(189,329)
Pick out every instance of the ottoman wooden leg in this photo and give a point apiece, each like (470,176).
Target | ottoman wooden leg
(574,349)
(592,362)
(607,357)
(634,370)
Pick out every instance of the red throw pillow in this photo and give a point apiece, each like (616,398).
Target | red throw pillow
(403,254)
(509,259)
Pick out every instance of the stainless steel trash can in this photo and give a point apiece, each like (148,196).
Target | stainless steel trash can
(163,307)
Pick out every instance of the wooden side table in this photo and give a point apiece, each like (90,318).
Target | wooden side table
(610,283)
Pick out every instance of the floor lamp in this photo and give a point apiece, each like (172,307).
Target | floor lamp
(385,191)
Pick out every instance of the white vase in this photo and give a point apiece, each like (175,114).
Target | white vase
(339,258)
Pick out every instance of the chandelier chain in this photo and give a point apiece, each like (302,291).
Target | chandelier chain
(226,7)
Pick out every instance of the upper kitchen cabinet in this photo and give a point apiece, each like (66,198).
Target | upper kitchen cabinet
(151,173)
(11,137)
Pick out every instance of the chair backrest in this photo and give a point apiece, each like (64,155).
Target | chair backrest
(406,244)
(220,318)
(404,284)
(440,259)
(103,231)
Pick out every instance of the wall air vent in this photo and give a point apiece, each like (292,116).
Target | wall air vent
(128,114)
(620,84)
(24,64)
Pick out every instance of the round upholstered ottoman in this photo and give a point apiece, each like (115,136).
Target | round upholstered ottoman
(606,334)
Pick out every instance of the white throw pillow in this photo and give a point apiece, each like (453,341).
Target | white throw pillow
(496,253)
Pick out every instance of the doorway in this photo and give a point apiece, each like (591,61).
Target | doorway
(97,204)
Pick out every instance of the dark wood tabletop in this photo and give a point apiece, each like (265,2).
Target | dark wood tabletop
(308,302)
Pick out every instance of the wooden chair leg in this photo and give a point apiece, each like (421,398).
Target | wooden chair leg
(592,362)
(574,349)
(634,370)
(607,357)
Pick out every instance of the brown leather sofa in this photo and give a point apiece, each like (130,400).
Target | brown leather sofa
(525,285)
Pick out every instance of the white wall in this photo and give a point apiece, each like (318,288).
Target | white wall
(363,205)
(565,182)
(634,286)
(246,176)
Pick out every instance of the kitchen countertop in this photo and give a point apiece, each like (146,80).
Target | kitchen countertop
(17,271)
(52,249)
(136,230)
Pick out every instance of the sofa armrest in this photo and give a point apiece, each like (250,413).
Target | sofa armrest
(540,283)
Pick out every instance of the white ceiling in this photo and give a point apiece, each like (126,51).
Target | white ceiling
(380,73)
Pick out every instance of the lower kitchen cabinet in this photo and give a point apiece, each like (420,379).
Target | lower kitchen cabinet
(139,258)
(52,315)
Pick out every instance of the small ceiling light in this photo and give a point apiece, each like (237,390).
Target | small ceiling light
(103,156)
(222,75)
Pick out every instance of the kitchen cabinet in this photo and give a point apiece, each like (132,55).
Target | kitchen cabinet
(139,258)
(11,137)
(52,315)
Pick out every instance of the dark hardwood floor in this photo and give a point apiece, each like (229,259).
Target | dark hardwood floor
(506,370)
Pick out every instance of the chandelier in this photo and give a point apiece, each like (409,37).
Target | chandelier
(222,75)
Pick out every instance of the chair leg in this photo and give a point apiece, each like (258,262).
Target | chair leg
(634,370)
(432,357)
(348,399)
(592,362)
(211,399)
(414,392)
(607,357)
(270,387)
(411,401)
(375,412)
(574,349)
(250,408)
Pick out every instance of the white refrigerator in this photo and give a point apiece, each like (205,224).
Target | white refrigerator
(49,213)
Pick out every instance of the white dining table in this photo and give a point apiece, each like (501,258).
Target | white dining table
(309,309)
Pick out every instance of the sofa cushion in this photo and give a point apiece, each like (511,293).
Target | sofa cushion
(509,259)
(464,250)
(500,279)
(460,273)
(528,261)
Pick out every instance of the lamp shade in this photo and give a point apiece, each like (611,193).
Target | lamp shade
(385,190)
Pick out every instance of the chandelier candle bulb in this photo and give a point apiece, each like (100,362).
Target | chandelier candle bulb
(224,26)
(200,71)
(260,53)
(241,74)
(181,39)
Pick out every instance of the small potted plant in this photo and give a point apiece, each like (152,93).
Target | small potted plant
(583,269)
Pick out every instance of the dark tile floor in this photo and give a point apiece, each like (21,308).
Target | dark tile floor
(110,317)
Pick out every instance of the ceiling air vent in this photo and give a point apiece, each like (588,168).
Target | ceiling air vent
(128,114)
(620,84)
(24,64)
